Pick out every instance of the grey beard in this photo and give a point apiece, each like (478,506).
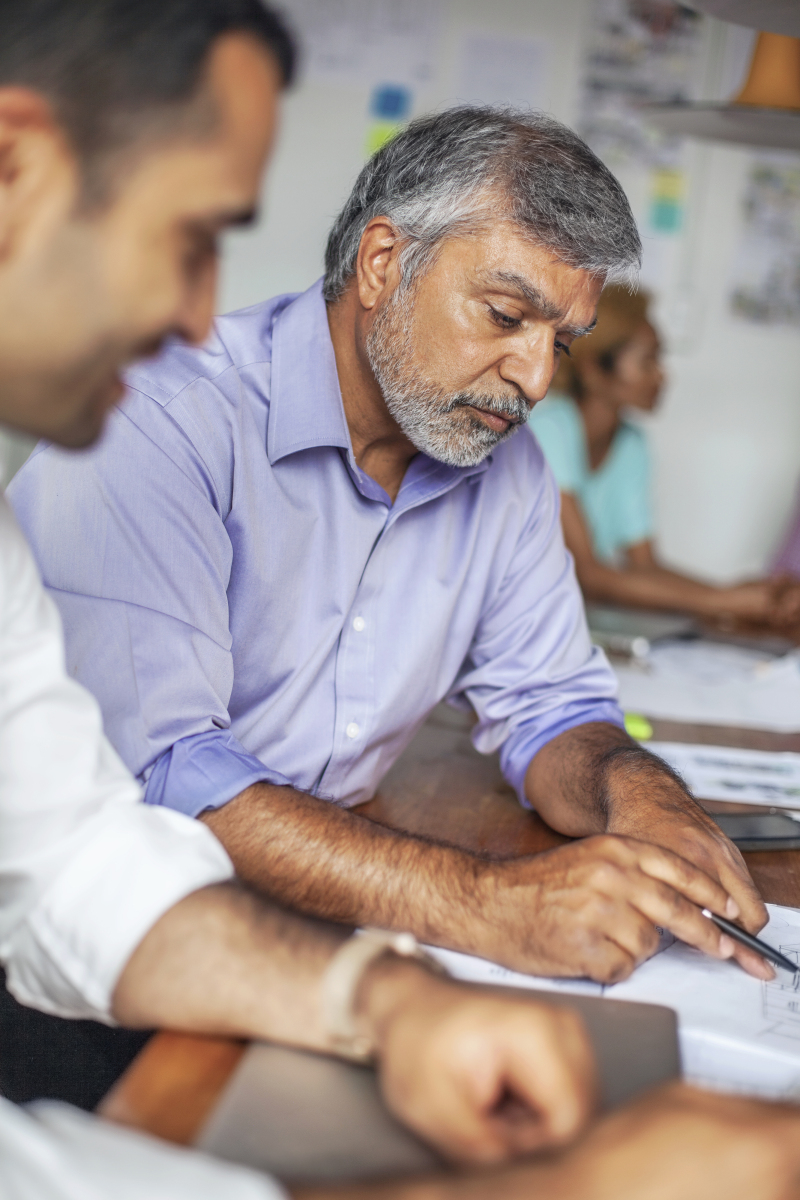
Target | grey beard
(425,412)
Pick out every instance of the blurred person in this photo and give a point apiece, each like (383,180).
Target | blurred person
(132,132)
(296,540)
(602,466)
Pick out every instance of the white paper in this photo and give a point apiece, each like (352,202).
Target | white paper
(738,776)
(714,684)
(367,41)
(503,70)
(736,1034)
(636,54)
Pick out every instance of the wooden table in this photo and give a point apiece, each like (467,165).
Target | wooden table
(443,788)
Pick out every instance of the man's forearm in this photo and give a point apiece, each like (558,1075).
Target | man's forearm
(223,961)
(320,859)
(582,780)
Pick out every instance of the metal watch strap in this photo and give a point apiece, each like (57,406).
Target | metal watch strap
(343,976)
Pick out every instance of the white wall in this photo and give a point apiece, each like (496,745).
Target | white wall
(727,439)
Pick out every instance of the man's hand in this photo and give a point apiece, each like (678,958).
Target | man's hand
(482,1076)
(683,1144)
(675,1144)
(592,907)
(595,779)
(666,816)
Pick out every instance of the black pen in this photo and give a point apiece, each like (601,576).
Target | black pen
(753,943)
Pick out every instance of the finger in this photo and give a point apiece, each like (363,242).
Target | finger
(621,922)
(605,961)
(549,1075)
(683,877)
(753,963)
(736,879)
(663,906)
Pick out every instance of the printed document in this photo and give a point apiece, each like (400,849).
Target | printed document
(736,1033)
(714,684)
(771,778)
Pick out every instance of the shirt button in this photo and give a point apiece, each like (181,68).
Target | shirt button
(358,624)
(352,730)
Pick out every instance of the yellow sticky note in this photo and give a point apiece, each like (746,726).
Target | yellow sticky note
(638,727)
(379,133)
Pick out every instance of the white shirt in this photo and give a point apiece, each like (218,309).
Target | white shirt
(54,1152)
(85,868)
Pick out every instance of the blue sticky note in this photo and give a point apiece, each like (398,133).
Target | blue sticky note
(390,102)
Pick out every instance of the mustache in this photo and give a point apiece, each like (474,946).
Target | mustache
(517,408)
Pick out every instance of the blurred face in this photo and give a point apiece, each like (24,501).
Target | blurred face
(463,353)
(638,376)
(83,293)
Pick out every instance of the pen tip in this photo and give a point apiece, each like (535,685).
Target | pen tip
(707,913)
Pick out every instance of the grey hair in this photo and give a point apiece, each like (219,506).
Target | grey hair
(448,174)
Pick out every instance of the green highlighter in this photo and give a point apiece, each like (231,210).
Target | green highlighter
(638,727)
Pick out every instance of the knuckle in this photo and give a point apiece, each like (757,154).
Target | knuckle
(605,876)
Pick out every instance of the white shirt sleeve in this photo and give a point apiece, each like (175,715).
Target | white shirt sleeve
(53,1152)
(86,869)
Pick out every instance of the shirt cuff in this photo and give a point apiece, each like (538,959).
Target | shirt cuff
(131,866)
(205,771)
(520,748)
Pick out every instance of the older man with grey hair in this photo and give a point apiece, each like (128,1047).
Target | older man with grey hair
(295,541)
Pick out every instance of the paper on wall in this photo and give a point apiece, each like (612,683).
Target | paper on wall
(367,41)
(736,1033)
(503,70)
(765,285)
(738,776)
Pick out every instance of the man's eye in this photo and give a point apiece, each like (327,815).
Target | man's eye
(503,319)
(562,347)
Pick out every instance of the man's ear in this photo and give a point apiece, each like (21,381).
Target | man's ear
(377,268)
(38,172)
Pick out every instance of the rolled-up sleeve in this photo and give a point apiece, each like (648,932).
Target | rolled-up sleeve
(532,672)
(140,569)
(206,771)
(85,868)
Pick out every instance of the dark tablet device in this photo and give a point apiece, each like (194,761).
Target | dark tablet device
(760,831)
(308,1118)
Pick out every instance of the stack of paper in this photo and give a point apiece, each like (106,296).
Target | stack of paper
(714,684)
(736,1034)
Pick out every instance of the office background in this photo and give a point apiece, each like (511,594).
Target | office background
(726,440)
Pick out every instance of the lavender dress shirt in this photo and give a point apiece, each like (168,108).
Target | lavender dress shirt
(248,605)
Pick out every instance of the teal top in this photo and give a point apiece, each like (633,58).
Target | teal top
(615,499)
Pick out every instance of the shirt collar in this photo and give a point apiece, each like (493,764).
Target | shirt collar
(306,407)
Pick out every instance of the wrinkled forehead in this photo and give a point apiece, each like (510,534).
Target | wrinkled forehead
(502,261)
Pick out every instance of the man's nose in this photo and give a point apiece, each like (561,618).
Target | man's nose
(531,369)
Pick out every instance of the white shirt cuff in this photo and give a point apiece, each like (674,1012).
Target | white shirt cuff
(134,863)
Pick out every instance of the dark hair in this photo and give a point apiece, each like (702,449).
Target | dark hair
(106,65)
(452,172)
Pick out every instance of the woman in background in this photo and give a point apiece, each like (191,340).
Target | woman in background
(601,463)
